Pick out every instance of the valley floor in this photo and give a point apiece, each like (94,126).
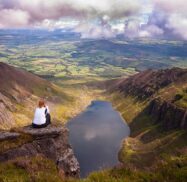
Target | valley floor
(148,147)
(149,154)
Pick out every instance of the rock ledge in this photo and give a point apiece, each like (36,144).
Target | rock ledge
(51,142)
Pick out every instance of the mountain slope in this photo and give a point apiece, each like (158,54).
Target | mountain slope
(145,84)
(19,94)
(154,104)
(164,92)
(154,151)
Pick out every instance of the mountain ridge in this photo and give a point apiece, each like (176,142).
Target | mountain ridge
(147,83)
(154,104)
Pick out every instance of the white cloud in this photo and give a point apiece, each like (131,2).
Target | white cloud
(13,18)
(178,24)
(95,31)
(171,6)
(94,16)
(59,24)
(99,18)
(151,31)
(54,9)
(132,28)
(171,17)
(118,27)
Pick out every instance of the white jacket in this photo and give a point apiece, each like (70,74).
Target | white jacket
(39,116)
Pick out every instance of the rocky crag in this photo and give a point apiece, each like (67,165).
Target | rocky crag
(50,143)
(164,91)
(154,104)
(147,83)
(170,115)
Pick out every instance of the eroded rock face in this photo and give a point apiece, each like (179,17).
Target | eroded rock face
(6,117)
(145,84)
(51,142)
(171,116)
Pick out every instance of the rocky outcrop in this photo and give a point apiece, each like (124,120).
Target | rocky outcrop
(6,117)
(50,142)
(171,116)
(145,84)
(163,92)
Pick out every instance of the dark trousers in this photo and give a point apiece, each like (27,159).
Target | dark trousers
(48,121)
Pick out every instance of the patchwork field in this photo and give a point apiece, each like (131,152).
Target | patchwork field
(62,56)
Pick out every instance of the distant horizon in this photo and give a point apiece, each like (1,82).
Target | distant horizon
(78,34)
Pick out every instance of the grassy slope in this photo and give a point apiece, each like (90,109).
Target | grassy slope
(163,152)
(64,104)
(82,97)
(150,153)
(147,143)
(23,91)
(147,138)
(36,168)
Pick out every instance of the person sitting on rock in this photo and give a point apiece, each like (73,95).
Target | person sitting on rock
(42,117)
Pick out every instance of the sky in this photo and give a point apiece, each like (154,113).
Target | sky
(99,18)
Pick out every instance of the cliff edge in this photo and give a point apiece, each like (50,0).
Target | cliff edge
(50,143)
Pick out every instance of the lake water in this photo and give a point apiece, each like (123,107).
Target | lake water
(96,136)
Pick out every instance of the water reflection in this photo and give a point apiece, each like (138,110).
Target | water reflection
(96,135)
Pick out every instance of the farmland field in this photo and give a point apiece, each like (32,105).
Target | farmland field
(64,56)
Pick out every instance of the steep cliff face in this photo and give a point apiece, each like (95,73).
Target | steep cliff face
(51,143)
(6,106)
(145,84)
(154,103)
(164,91)
(168,114)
